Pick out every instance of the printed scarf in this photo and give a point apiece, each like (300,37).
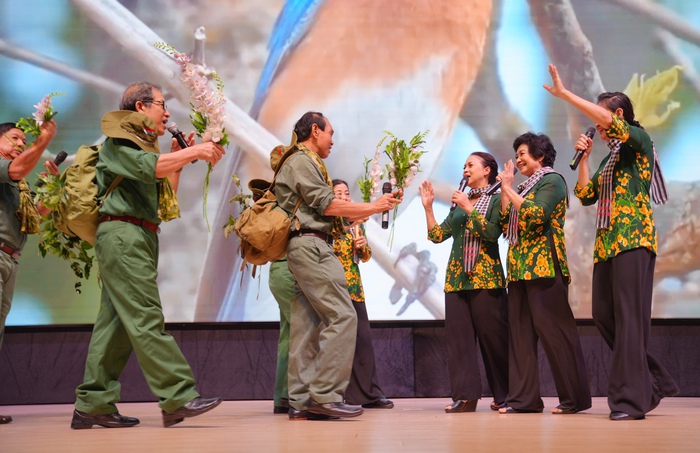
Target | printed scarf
(472,242)
(659,192)
(523,189)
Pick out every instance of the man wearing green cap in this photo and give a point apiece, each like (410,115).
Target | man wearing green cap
(16,163)
(130,316)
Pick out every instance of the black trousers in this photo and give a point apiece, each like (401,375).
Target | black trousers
(364,385)
(539,309)
(470,315)
(622,293)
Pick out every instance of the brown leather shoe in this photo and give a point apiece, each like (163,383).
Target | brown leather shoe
(5,419)
(197,406)
(334,409)
(83,420)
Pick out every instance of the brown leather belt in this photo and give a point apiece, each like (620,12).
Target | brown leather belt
(14,253)
(130,219)
(319,234)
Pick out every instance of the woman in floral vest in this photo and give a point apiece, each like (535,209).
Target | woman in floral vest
(475,296)
(538,282)
(625,247)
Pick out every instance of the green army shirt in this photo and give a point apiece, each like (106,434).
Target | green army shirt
(137,194)
(301,177)
(9,203)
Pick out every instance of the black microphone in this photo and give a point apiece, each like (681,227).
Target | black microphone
(58,160)
(179,136)
(462,185)
(386,188)
(497,185)
(590,132)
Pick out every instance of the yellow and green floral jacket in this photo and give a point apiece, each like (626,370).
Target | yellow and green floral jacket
(541,216)
(488,271)
(343,249)
(631,218)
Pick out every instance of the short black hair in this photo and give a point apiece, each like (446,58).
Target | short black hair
(335,182)
(4,127)
(303,127)
(139,91)
(538,145)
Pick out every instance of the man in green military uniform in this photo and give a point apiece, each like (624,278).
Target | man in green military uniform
(319,362)
(130,315)
(16,163)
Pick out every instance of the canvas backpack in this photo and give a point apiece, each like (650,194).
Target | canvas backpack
(263,228)
(77,213)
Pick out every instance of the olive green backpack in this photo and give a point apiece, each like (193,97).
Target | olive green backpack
(78,211)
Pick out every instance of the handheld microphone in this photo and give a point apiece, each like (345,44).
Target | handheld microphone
(58,160)
(497,186)
(179,136)
(462,185)
(590,132)
(386,188)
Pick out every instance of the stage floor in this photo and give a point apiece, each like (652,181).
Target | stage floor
(418,424)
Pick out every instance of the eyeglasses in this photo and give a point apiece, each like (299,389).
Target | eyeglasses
(160,103)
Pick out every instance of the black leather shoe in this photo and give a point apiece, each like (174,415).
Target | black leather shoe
(196,407)
(381,403)
(461,406)
(495,406)
(5,419)
(334,409)
(282,408)
(83,420)
(306,415)
(619,416)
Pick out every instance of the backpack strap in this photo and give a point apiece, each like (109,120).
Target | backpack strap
(111,187)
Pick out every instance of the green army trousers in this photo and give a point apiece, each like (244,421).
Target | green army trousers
(8,277)
(131,319)
(282,284)
(320,361)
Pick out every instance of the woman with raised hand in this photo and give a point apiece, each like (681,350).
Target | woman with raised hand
(475,296)
(538,282)
(625,247)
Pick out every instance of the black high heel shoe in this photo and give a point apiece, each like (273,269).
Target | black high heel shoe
(461,406)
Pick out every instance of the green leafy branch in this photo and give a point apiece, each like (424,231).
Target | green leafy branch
(52,241)
(244,201)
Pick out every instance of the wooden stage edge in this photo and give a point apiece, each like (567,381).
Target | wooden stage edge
(416,424)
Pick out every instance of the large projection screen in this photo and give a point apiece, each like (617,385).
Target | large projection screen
(470,71)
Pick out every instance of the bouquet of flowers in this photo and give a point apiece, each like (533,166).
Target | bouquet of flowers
(404,164)
(44,112)
(244,201)
(369,185)
(208,113)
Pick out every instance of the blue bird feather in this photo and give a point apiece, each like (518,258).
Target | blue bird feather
(290,28)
